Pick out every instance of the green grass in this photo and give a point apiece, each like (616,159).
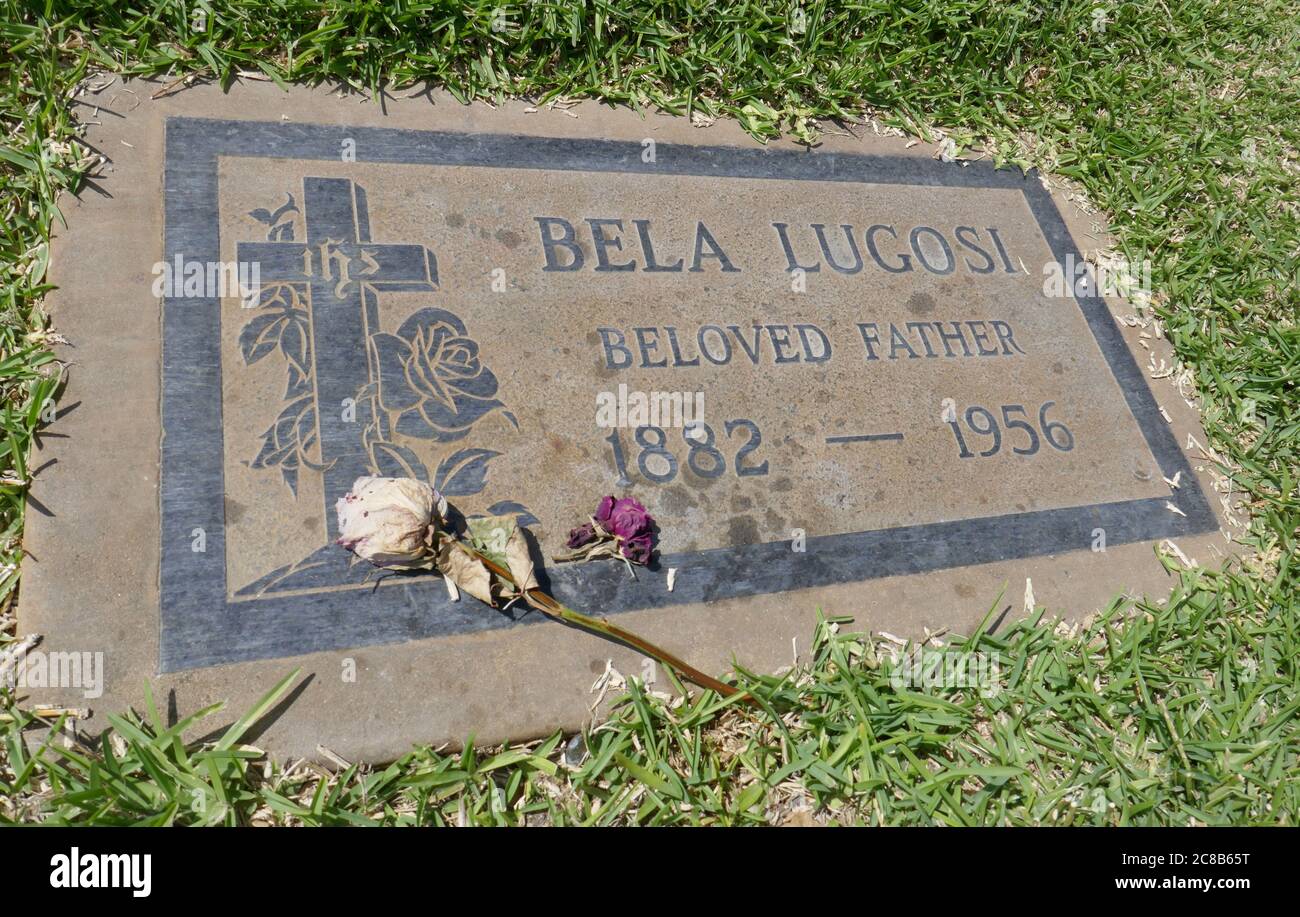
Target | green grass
(1182,120)
(1181,714)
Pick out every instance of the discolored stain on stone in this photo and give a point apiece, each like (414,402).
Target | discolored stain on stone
(677,500)
(743,530)
(699,482)
(920,303)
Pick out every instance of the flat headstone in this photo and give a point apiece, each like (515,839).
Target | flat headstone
(896,416)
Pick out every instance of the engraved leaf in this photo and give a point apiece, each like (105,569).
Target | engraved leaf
(289,206)
(393,461)
(294,341)
(278,296)
(523,516)
(298,383)
(375,423)
(262,215)
(286,442)
(463,473)
(260,336)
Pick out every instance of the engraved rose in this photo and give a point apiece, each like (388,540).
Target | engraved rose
(430,375)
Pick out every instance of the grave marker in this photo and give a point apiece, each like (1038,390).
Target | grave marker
(835,377)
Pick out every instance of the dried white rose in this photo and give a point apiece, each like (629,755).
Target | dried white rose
(387,520)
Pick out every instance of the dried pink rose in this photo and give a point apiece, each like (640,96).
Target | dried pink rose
(629,519)
(583,535)
(620,527)
(639,548)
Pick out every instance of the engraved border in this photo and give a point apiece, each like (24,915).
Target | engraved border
(199,627)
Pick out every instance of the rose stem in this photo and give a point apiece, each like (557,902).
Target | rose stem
(549,606)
